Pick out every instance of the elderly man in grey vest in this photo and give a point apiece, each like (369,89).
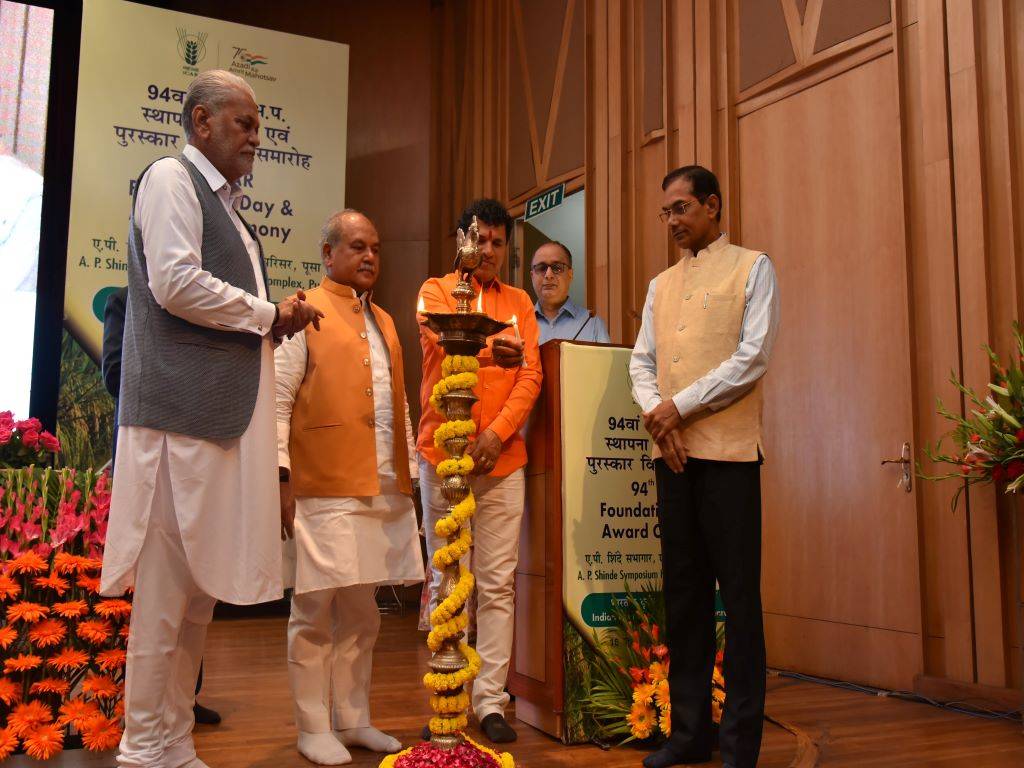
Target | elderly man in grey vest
(194,516)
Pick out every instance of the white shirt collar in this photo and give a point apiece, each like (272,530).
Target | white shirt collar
(213,177)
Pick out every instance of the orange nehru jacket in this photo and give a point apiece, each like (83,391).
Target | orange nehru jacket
(333,442)
(506,395)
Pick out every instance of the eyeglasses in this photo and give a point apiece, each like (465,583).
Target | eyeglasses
(678,210)
(558,267)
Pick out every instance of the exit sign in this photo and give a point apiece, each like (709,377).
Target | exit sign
(544,202)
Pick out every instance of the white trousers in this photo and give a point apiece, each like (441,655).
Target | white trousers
(331,634)
(168,630)
(499,513)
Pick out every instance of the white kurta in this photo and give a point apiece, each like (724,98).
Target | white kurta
(343,541)
(225,491)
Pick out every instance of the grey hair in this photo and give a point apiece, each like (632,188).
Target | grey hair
(330,233)
(210,89)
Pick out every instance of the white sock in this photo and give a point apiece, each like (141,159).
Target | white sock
(323,749)
(370,738)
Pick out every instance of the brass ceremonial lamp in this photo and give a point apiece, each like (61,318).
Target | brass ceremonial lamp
(462,334)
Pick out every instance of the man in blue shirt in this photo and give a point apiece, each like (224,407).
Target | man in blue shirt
(558,316)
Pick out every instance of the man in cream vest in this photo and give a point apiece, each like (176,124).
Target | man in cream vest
(709,324)
(344,453)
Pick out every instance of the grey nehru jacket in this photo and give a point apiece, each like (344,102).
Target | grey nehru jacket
(177,376)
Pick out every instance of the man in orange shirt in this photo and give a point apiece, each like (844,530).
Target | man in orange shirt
(509,382)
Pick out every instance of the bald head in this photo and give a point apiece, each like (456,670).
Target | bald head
(350,248)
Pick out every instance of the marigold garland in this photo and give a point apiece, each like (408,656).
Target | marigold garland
(454,551)
(450,704)
(449,467)
(457,518)
(450,429)
(458,597)
(441,631)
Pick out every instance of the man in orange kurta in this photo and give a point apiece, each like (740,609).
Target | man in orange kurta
(509,382)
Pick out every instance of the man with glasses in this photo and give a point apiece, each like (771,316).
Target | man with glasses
(558,316)
(709,324)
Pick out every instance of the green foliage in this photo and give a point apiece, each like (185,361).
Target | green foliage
(85,411)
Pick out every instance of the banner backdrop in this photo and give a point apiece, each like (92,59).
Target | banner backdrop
(136,63)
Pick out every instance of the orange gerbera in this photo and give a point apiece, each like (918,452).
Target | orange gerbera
(643,693)
(47,633)
(641,721)
(7,636)
(22,663)
(94,631)
(44,742)
(72,609)
(26,611)
(124,630)
(27,562)
(65,563)
(113,609)
(89,563)
(119,709)
(9,588)
(100,686)
(661,693)
(110,661)
(51,685)
(10,691)
(101,733)
(657,672)
(29,716)
(665,721)
(52,581)
(67,660)
(77,712)
(89,583)
(8,742)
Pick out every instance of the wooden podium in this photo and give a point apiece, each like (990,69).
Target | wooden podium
(537,675)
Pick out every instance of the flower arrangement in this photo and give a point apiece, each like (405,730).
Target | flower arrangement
(629,697)
(24,442)
(990,441)
(62,646)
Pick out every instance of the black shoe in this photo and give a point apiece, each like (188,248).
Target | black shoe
(497,729)
(425,734)
(205,716)
(667,756)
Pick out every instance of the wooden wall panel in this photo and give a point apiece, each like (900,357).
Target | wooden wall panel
(842,20)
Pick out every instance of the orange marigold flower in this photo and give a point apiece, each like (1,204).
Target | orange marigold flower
(65,563)
(77,712)
(10,692)
(9,588)
(44,742)
(26,611)
(52,581)
(100,686)
(8,742)
(94,631)
(72,609)
(51,685)
(7,636)
(113,609)
(27,562)
(101,733)
(22,663)
(29,716)
(67,660)
(112,660)
(47,633)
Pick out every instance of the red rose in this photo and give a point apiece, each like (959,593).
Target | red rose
(49,442)
(998,473)
(29,425)
(30,439)
(1019,435)
(5,435)
(1015,469)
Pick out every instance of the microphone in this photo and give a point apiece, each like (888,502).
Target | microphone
(590,317)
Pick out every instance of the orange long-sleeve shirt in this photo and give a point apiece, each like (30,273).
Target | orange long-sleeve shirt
(506,394)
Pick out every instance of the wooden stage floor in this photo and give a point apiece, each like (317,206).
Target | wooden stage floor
(246,680)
